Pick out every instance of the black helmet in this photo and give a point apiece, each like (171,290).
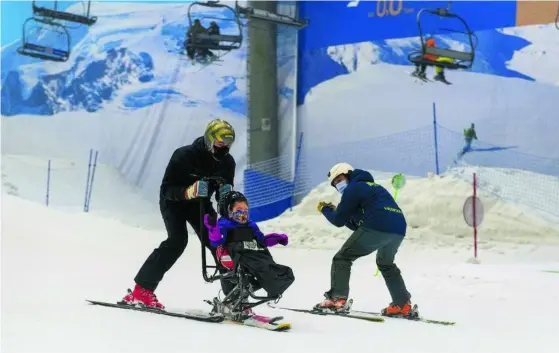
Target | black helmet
(227,200)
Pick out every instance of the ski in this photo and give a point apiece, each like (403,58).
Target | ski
(264,322)
(191,314)
(419,79)
(349,314)
(413,318)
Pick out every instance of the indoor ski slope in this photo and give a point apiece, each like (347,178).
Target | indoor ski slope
(54,258)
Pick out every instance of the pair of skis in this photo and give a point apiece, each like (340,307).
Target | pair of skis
(267,323)
(366,315)
(426,80)
(258,321)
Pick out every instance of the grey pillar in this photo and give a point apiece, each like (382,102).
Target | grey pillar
(262,88)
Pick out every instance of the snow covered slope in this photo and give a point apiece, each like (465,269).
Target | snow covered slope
(112,196)
(539,59)
(137,145)
(433,206)
(385,100)
(366,107)
(52,264)
(433,210)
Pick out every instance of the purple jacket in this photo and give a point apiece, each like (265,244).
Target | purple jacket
(218,233)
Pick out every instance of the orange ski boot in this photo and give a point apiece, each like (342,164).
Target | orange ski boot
(331,304)
(406,311)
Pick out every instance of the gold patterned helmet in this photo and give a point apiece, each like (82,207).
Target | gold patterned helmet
(219,131)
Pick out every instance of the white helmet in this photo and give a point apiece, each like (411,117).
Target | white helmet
(337,170)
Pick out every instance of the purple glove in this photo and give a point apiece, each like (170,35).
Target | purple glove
(274,239)
(213,230)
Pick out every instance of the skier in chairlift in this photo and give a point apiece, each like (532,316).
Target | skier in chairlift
(193,52)
(439,70)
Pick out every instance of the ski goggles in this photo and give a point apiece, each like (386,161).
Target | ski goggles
(240,216)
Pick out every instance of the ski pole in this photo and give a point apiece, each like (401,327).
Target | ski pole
(48,184)
(92,178)
(87,180)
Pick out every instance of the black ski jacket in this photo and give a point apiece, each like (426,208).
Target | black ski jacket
(189,164)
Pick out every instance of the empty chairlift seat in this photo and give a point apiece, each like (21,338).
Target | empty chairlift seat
(46,40)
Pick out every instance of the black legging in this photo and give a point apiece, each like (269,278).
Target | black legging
(164,257)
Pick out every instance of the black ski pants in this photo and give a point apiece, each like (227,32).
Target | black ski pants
(270,276)
(362,243)
(175,216)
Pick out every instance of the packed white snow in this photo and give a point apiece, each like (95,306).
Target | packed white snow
(53,260)
(432,206)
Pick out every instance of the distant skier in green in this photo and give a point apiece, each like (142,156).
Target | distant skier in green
(469,136)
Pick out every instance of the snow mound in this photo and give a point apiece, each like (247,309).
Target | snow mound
(433,210)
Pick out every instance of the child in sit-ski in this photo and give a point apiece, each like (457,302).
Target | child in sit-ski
(252,256)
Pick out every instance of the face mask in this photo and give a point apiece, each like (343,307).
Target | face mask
(240,216)
(220,152)
(341,186)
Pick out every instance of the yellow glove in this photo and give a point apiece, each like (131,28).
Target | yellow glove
(323,204)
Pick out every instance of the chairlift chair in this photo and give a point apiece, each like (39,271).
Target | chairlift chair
(56,14)
(214,41)
(39,51)
(462,59)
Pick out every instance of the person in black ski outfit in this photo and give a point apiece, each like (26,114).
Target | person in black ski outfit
(214,30)
(182,191)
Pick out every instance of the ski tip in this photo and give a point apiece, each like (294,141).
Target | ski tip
(282,327)
(439,322)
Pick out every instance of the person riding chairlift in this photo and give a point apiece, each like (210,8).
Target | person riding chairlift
(197,28)
(439,70)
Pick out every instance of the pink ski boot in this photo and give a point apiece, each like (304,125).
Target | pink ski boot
(143,297)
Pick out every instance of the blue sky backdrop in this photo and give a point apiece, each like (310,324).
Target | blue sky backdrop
(14,13)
